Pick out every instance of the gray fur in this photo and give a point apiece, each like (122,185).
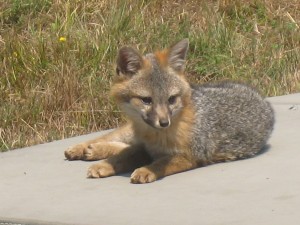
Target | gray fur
(232,122)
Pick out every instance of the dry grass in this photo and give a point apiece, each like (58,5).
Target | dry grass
(57,57)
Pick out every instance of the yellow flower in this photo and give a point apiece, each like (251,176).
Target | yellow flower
(15,54)
(62,39)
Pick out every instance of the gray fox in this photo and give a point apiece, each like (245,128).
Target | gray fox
(174,126)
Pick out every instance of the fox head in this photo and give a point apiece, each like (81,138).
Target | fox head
(152,89)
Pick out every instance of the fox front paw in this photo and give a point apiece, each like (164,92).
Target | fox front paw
(142,175)
(89,153)
(75,152)
(82,151)
(101,169)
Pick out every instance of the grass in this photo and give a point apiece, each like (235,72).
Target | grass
(57,57)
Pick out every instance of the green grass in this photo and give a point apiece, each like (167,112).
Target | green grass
(57,57)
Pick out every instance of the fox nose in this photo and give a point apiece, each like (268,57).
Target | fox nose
(164,123)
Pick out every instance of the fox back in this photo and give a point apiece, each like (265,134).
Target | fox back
(232,122)
(212,122)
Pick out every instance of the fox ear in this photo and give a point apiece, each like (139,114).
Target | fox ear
(129,61)
(177,55)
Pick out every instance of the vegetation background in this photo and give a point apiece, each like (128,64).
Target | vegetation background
(57,56)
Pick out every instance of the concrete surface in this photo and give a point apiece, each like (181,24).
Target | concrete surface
(37,186)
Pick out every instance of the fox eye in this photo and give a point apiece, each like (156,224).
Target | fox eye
(146,100)
(172,99)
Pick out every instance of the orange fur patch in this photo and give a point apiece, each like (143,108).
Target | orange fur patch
(162,57)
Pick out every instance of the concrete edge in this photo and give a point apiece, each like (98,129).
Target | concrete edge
(12,221)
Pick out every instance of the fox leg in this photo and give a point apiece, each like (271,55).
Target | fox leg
(102,147)
(95,151)
(162,167)
(125,161)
